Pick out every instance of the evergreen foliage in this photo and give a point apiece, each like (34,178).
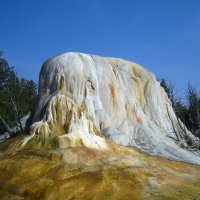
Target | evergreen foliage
(189,112)
(17,95)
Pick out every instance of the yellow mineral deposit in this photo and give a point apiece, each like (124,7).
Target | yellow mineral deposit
(50,172)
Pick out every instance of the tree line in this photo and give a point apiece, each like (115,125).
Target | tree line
(188,111)
(17,97)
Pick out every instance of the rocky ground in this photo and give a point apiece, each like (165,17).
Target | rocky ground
(49,173)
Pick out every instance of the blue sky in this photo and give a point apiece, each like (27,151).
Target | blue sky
(161,35)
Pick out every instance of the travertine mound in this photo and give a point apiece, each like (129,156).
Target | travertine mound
(84,99)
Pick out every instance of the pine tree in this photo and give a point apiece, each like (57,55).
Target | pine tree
(17,97)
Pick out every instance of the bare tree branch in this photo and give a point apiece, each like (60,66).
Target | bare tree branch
(5,125)
(172,123)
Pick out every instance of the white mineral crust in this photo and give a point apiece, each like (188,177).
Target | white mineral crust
(81,95)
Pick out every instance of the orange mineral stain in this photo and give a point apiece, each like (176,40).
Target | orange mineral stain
(113,93)
(138,118)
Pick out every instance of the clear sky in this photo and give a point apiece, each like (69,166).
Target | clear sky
(161,35)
